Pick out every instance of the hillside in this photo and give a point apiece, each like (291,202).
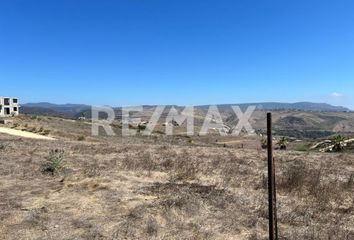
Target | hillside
(300,106)
(77,110)
(57,110)
(300,120)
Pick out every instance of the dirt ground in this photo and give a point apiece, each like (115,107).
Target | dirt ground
(162,187)
(24,134)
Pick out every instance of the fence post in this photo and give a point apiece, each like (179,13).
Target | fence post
(273,228)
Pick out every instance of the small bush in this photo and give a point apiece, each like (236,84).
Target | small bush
(264,143)
(141,127)
(81,138)
(283,143)
(33,129)
(338,143)
(54,161)
(3,147)
(45,132)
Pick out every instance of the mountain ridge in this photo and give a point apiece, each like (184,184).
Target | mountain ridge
(69,110)
(302,106)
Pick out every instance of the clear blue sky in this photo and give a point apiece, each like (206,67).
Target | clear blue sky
(177,51)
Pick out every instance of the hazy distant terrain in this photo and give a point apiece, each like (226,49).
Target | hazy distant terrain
(300,120)
(76,110)
(59,110)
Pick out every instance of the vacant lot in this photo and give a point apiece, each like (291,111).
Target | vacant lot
(165,188)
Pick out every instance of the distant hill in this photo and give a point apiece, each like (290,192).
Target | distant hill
(57,110)
(78,110)
(300,106)
(52,105)
(300,120)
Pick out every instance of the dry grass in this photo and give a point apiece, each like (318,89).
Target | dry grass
(165,188)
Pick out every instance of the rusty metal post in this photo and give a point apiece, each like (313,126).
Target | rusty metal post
(273,228)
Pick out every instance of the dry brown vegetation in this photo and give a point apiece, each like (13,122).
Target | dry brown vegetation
(166,188)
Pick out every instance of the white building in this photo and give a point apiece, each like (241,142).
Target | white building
(9,106)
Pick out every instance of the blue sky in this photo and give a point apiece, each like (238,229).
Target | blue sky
(184,52)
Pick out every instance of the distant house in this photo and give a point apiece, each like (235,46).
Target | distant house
(9,107)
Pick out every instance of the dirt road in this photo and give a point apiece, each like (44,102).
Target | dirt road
(24,134)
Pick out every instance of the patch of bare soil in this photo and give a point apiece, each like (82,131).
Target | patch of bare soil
(24,134)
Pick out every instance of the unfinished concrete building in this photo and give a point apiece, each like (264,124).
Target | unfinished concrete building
(9,106)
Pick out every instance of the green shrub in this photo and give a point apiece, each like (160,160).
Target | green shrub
(264,143)
(141,127)
(338,143)
(54,161)
(283,143)
(3,147)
